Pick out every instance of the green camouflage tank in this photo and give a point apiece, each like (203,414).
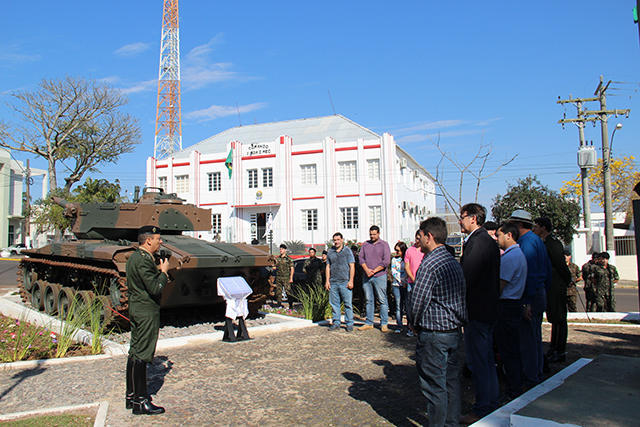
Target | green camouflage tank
(93,266)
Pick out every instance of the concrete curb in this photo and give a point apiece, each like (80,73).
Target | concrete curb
(101,415)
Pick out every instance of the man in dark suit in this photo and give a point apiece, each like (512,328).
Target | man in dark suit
(481,266)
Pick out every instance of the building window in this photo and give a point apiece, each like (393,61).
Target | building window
(182,183)
(267,177)
(309,174)
(373,169)
(625,245)
(375,215)
(253,178)
(347,171)
(349,217)
(162,183)
(215,183)
(217,223)
(310,219)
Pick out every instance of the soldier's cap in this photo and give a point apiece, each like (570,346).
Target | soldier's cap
(149,229)
(521,215)
(312,249)
(283,246)
(324,252)
(605,255)
(567,252)
(595,255)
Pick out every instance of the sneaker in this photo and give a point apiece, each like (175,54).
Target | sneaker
(384,328)
(411,333)
(398,331)
(334,327)
(350,328)
(365,327)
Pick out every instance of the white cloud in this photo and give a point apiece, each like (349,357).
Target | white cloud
(141,87)
(132,49)
(432,125)
(216,111)
(199,53)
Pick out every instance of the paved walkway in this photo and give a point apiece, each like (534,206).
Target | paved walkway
(305,377)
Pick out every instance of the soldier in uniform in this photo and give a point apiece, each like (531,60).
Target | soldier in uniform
(587,276)
(145,281)
(572,290)
(605,278)
(284,273)
(313,269)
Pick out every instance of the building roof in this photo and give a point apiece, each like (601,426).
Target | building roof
(302,131)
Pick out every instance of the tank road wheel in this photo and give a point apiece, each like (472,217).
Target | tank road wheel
(106,312)
(37,295)
(51,298)
(29,276)
(66,296)
(83,299)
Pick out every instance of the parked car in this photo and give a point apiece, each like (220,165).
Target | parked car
(455,241)
(13,250)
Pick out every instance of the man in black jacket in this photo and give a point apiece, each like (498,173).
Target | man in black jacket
(481,266)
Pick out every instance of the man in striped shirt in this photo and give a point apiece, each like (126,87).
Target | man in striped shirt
(438,311)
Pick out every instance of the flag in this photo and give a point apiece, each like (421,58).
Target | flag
(269,226)
(229,162)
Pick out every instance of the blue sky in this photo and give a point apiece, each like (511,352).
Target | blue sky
(470,71)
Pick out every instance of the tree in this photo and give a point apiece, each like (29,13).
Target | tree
(482,156)
(48,215)
(71,120)
(624,176)
(539,200)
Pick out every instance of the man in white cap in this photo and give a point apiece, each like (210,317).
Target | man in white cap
(534,298)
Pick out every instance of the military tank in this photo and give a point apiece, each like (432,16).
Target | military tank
(56,276)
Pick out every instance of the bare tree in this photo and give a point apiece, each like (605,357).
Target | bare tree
(476,168)
(71,119)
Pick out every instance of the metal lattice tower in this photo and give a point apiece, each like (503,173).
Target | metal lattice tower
(168,118)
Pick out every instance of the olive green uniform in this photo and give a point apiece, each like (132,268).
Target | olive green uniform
(589,289)
(284,263)
(604,279)
(313,269)
(145,283)
(572,290)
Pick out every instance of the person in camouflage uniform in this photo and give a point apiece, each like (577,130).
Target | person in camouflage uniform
(313,269)
(145,281)
(572,290)
(284,273)
(605,278)
(587,276)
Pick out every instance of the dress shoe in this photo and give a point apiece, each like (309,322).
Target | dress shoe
(365,327)
(557,357)
(470,418)
(384,328)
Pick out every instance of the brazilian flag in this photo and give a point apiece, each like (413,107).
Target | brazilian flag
(229,162)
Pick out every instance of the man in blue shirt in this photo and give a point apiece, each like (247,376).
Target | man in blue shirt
(534,298)
(437,311)
(513,276)
(339,281)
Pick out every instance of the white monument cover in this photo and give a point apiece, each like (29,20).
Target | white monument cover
(235,291)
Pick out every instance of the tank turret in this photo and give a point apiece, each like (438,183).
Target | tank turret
(115,221)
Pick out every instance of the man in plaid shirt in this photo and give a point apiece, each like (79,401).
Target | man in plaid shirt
(438,311)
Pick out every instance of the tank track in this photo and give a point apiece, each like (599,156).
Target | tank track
(122,309)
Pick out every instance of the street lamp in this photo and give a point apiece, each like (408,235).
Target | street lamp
(606,178)
(618,126)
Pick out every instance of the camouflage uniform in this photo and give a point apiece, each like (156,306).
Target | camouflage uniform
(604,279)
(572,290)
(284,264)
(313,269)
(589,288)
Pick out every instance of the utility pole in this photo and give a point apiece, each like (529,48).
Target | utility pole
(587,159)
(27,207)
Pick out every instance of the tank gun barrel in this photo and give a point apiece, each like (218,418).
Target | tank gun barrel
(70,209)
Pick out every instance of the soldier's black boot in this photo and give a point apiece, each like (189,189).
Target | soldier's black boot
(128,400)
(141,400)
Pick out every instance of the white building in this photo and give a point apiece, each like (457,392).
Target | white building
(12,173)
(314,176)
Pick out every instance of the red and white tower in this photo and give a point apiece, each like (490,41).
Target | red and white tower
(168,119)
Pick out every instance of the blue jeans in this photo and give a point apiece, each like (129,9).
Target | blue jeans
(531,341)
(400,295)
(339,291)
(478,340)
(379,284)
(508,340)
(437,357)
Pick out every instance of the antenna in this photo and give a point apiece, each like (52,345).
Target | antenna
(334,110)
(238,108)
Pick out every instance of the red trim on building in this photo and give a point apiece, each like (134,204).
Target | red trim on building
(204,162)
(282,140)
(308,198)
(347,195)
(181,164)
(374,194)
(306,152)
(213,204)
(257,205)
(161,166)
(346,148)
(264,156)
(371,146)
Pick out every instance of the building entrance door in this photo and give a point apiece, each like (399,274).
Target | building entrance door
(258,228)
